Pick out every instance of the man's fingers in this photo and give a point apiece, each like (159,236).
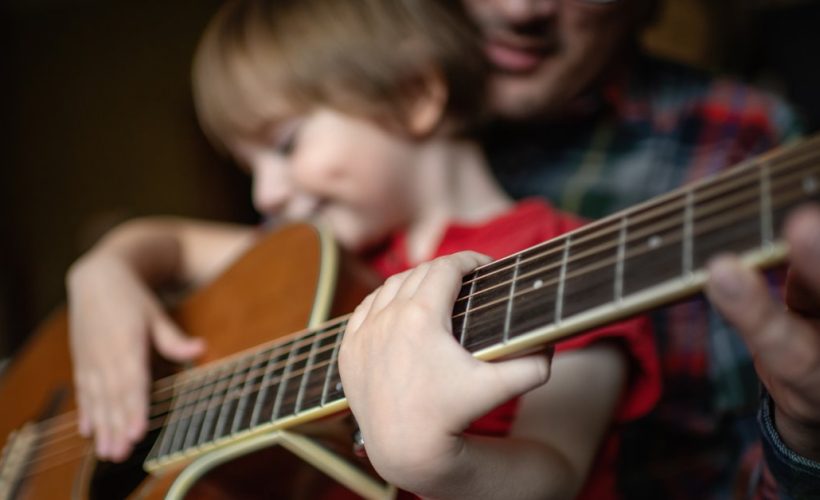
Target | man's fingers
(803,234)
(740,294)
(784,346)
(801,298)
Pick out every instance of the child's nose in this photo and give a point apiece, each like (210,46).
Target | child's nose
(271,190)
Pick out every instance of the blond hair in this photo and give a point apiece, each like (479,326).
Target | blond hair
(367,57)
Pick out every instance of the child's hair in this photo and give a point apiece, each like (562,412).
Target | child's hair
(366,57)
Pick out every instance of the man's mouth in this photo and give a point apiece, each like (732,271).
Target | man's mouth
(516,57)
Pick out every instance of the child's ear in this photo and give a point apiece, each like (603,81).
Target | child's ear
(426,110)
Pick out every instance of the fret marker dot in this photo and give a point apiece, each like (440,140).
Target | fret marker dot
(810,184)
(338,386)
(537,284)
(654,241)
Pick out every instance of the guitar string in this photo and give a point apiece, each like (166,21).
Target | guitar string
(639,236)
(229,389)
(739,177)
(634,237)
(631,239)
(296,374)
(777,166)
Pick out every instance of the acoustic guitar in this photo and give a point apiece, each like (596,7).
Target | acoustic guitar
(218,428)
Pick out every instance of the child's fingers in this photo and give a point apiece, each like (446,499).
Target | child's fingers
(172,343)
(84,424)
(500,381)
(412,281)
(115,390)
(443,281)
(99,416)
(359,314)
(385,294)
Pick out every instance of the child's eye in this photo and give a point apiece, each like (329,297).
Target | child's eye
(286,142)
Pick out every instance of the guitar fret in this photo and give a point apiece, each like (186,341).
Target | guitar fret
(283,382)
(619,263)
(508,317)
(247,389)
(654,247)
(766,217)
(167,430)
(219,383)
(488,305)
(462,338)
(181,397)
(307,371)
(333,364)
(727,218)
(227,406)
(200,409)
(688,231)
(265,385)
(316,378)
(536,289)
(559,299)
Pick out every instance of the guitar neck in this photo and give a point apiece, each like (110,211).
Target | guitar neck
(636,259)
(619,266)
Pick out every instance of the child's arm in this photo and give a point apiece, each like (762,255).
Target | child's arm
(115,314)
(414,390)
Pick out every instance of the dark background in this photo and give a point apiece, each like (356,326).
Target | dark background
(100,125)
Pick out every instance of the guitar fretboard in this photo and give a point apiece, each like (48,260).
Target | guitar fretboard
(608,270)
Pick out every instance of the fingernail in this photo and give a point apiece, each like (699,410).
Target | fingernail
(726,279)
(814,243)
(134,432)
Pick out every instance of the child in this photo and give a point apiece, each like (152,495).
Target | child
(357,113)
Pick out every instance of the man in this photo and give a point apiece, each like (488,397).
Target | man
(594,125)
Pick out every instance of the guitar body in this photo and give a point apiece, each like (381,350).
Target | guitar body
(293,279)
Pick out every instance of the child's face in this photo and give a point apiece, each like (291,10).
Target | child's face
(344,171)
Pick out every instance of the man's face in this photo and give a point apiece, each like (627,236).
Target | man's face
(544,53)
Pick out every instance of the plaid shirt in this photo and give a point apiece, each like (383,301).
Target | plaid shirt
(644,133)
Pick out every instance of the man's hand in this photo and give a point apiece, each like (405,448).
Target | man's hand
(784,341)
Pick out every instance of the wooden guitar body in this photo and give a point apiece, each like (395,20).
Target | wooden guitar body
(292,280)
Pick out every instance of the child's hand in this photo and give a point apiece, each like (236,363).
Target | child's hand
(411,386)
(113,317)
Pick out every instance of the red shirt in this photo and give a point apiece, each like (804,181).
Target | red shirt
(531,222)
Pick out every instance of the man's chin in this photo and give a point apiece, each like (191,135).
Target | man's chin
(517,98)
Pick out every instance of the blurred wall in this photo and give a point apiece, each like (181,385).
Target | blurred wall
(100,127)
